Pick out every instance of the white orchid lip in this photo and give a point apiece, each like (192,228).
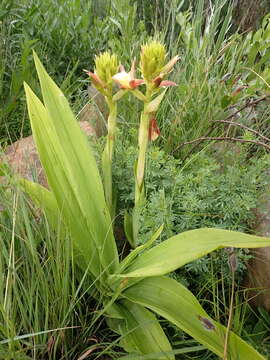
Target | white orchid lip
(127,80)
(123,79)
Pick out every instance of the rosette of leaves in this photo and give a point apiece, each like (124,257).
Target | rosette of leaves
(135,289)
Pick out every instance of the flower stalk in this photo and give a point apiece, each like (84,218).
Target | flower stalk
(108,154)
(153,69)
(106,66)
(143,140)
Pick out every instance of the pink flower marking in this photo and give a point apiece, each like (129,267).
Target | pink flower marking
(95,79)
(154,131)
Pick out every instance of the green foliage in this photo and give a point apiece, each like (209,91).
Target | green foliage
(69,166)
(130,30)
(258,324)
(190,197)
(180,197)
(217,76)
(40,288)
(257,53)
(68,34)
(194,196)
(171,300)
(78,163)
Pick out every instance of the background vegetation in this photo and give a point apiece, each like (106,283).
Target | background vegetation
(223,75)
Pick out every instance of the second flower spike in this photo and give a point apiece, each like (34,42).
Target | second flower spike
(153,64)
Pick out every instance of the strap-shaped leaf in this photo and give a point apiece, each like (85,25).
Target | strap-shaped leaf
(52,161)
(142,333)
(177,304)
(72,174)
(43,199)
(188,246)
(132,255)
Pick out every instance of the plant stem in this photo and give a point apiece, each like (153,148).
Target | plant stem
(226,342)
(140,167)
(143,143)
(108,154)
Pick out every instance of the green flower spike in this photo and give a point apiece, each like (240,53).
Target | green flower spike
(153,64)
(106,66)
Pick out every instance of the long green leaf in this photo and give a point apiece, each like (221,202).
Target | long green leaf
(185,350)
(66,200)
(72,174)
(142,333)
(188,246)
(82,172)
(43,199)
(134,253)
(177,304)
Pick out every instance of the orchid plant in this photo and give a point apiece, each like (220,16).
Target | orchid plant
(134,289)
(154,69)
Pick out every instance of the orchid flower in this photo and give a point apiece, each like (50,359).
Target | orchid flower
(158,81)
(96,81)
(127,80)
(106,65)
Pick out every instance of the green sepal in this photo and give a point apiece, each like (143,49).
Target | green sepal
(152,107)
(139,95)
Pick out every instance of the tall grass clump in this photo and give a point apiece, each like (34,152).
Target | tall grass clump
(44,311)
(221,76)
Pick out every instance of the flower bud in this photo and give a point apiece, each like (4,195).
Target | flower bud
(152,61)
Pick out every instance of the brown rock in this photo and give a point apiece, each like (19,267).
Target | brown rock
(22,157)
(96,112)
(248,13)
(258,279)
